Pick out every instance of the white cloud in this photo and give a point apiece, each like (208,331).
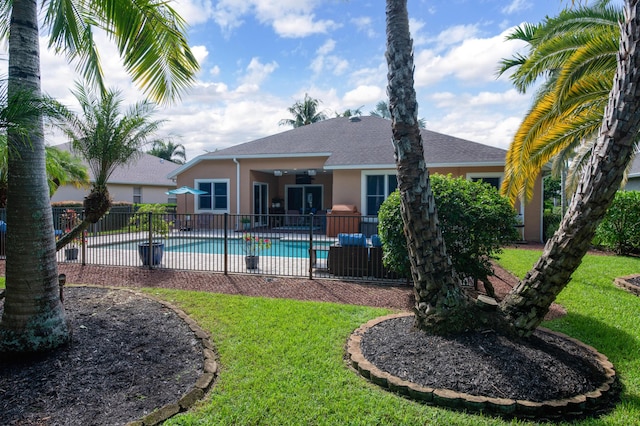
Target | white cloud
(194,11)
(289,18)
(215,71)
(257,72)
(363,95)
(474,61)
(332,63)
(455,35)
(486,117)
(200,52)
(364,25)
(516,6)
(295,26)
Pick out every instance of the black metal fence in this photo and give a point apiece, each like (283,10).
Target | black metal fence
(320,246)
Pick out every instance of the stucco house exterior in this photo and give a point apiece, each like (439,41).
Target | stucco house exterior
(143,181)
(335,164)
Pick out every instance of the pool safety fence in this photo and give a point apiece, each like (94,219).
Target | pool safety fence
(292,245)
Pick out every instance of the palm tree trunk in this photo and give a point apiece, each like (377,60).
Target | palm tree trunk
(440,303)
(33,317)
(529,301)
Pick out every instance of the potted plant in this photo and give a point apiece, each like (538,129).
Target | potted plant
(151,217)
(246,222)
(252,245)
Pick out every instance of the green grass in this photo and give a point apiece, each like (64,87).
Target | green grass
(282,361)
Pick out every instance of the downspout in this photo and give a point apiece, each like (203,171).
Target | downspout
(235,160)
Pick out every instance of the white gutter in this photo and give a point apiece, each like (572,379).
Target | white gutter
(235,160)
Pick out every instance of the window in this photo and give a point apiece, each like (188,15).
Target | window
(494,179)
(216,198)
(172,198)
(377,187)
(137,195)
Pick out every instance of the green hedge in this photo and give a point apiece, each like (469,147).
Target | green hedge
(475,222)
(620,229)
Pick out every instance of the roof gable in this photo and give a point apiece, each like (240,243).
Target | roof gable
(146,170)
(357,142)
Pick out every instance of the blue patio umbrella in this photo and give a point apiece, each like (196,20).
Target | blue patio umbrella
(186,190)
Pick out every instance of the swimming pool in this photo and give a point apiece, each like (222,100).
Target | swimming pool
(280,248)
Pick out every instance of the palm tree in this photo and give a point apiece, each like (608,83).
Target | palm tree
(169,151)
(350,113)
(106,138)
(304,112)
(440,305)
(64,168)
(382,111)
(150,37)
(529,301)
(576,54)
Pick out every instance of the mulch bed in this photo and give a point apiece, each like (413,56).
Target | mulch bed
(538,369)
(129,356)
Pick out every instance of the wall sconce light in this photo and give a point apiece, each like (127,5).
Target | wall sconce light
(277,172)
(311,172)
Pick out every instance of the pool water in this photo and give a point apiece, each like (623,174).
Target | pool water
(280,248)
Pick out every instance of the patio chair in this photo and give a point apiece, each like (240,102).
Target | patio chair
(350,258)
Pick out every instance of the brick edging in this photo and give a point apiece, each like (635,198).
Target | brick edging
(555,408)
(203,383)
(623,283)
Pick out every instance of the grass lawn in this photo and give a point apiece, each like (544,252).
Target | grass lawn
(283,361)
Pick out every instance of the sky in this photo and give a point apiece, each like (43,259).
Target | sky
(258,57)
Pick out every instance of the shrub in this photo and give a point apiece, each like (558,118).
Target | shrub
(620,227)
(159,224)
(550,223)
(475,222)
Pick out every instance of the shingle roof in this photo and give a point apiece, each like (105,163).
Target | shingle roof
(146,170)
(357,143)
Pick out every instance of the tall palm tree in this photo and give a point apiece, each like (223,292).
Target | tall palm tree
(61,166)
(304,112)
(575,54)
(529,301)
(169,151)
(106,138)
(151,40)
(440,305)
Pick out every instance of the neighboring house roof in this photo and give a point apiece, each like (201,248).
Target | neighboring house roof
(356,143)
(147,170)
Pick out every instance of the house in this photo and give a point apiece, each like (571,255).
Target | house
(143,181)
(340,163)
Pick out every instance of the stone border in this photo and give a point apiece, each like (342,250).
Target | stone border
(574,406)
(623,283)
(204,382)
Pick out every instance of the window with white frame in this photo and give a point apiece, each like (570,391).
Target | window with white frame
(216,197)
(377,187)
